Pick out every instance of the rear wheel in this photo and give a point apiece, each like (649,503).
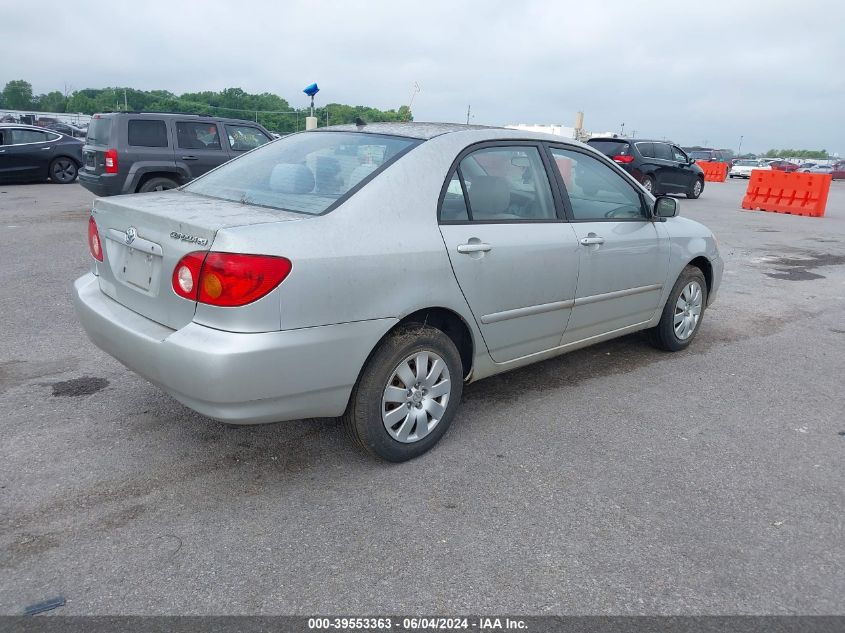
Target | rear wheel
(158,184)
(649,185)
(63,170)
(695,189)
(682,313)
(407,394)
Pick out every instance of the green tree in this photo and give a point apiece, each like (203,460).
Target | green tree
(17,95)
(53,101)
(79,102)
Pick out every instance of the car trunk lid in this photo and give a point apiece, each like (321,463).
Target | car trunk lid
(144,236)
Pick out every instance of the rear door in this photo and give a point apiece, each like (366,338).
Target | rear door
(26,153)
(515,258)
(624,256)
(199,146)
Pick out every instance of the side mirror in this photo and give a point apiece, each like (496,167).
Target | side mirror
(665,207)
(691,161)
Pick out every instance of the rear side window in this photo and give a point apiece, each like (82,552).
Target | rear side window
(611,147)
(507,184)
(20,137)
(454,207)
(662,151)
(99,132)
(197,135)
(243,138)
(646,149)
(147,133)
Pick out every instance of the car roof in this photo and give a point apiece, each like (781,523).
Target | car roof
(175,115)
(27,126)
(631,140)
(410,129)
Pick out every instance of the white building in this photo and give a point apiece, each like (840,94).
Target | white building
(557,130)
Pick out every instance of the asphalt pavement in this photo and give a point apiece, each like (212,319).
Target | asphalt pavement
(614,480)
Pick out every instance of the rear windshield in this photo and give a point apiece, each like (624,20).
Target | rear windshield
(99,132)
(611,147)
(304,173)
(701,155)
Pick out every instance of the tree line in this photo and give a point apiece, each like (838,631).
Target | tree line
(268,109)
(797,153)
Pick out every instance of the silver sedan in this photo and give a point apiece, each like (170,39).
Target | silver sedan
(371,271)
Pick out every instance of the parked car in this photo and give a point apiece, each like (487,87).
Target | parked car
(371,271)
(131,152)
(659,166)
(706,154)
(29,153)
(783,165)
(816,169)
(838,172)
(743,168)
(806,165)
(66,128)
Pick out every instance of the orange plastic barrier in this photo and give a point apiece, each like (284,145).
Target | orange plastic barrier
(714,172)
(782,192)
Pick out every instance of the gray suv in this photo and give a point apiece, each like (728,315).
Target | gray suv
(140,152)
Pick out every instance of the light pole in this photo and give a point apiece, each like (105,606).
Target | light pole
(739,150)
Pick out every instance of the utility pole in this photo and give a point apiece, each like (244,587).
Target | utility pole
(622,131)
(125,102)
(469,107)
(739,150)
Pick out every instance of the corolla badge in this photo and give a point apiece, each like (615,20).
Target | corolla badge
(199,241)
(131,234)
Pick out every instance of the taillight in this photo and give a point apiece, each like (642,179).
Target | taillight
(111,161)
(228,279)
(622,158)
(94,244)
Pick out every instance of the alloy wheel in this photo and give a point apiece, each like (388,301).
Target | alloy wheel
(63,170)
(416,397)
(688,310)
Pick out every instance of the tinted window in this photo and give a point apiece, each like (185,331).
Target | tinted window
(700,155)
(243,138)
(454,207)
(305,173)
(596,191)
(662,151)
(610,147)
(678,154)
(147,133)
(99,132)
(646,149)
(19,136)
(197,135)
(507,183)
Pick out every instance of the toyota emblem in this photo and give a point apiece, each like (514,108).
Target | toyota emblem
(131,234)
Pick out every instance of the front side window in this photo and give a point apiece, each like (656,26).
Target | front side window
(305,173)
(243,138)
(19,137)
(507,184)
(596,191)
(146,133)
(197,135)
(678,155)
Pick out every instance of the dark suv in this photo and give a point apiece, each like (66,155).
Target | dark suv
(139,152)
(709,155)
(661,167)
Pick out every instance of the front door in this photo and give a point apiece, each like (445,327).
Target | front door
(515,259)
(624,256)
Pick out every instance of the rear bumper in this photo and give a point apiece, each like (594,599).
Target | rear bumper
(234,377)
(101,184)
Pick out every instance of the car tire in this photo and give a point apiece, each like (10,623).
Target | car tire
(649,185)
(683,312)
(63,170)
(158,184)
(379,393)
(695,189)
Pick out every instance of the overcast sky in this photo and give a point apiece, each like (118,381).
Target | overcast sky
(694,71)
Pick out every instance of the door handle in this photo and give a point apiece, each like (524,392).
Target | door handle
(190,158)
(46,148)
(478,247)
(594,239)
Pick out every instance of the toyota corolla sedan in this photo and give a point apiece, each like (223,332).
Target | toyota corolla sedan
(371,271)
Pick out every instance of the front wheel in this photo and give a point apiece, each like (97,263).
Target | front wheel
(63,170)
(682,314)
(695,189)
(406,395)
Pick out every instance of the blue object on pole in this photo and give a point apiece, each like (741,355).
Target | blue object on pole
(311,90)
